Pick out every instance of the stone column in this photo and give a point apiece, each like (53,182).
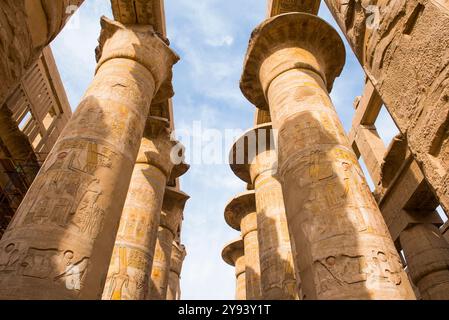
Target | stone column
(171,216)
(59,243)
(427,256)
(344,250)
(277,271)
(240,214)
(132,258)
(234,255)
(178,255)
(28,27)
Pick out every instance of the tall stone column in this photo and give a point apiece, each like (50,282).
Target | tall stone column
(240,214)
(344,250)
(59,243)
(178,255)
(427,256)
(259,168)
(28,27)
(132,258)
(171,216)
(234,255)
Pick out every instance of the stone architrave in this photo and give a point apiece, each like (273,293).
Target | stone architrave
(132,258)
(344,250)
(27,28)
(178,255)
(60,242)
(171,216)
(277,7)
(253,159)
(234,255)
(240,214)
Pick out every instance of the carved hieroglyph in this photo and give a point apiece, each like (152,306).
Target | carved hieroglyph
(171,217)
(240,214)
(403,46)
(178,255)
(132,258)
(59,244)
(343,248)
(26,27)
(259,168)
(234,255)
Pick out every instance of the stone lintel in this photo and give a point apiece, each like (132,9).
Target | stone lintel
(322,51)
(239,207)
(246,148)
(232,251)
(143,45)
(277,7)
(408,200)
(140,12)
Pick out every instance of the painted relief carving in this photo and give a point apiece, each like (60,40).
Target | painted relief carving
(60,266)
(336,272)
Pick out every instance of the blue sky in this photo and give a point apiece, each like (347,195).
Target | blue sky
(211,36)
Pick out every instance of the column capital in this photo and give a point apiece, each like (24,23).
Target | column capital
(177,257)
(239,207)
(142,44)
(290,41)
(156,145)
(253,153)
(173,208)
(232,251)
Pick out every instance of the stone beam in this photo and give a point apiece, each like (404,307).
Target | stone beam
(404,49)
(140,12)
(277,7)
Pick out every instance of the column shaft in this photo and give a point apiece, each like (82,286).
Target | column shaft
(240,272)
(252,259)
(161,264)
(427,256)
(60,241)
(136,237)
(177,258)
(344,248)
(276,260)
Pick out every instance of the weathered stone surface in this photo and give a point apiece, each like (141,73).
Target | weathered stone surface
(427,255)
(276,7)
(60,242)
(405,53)
(343,247)
(234,255)
(132,258)
(26,27)
(259,168)
(241,215)
(171,216)
(178,255)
